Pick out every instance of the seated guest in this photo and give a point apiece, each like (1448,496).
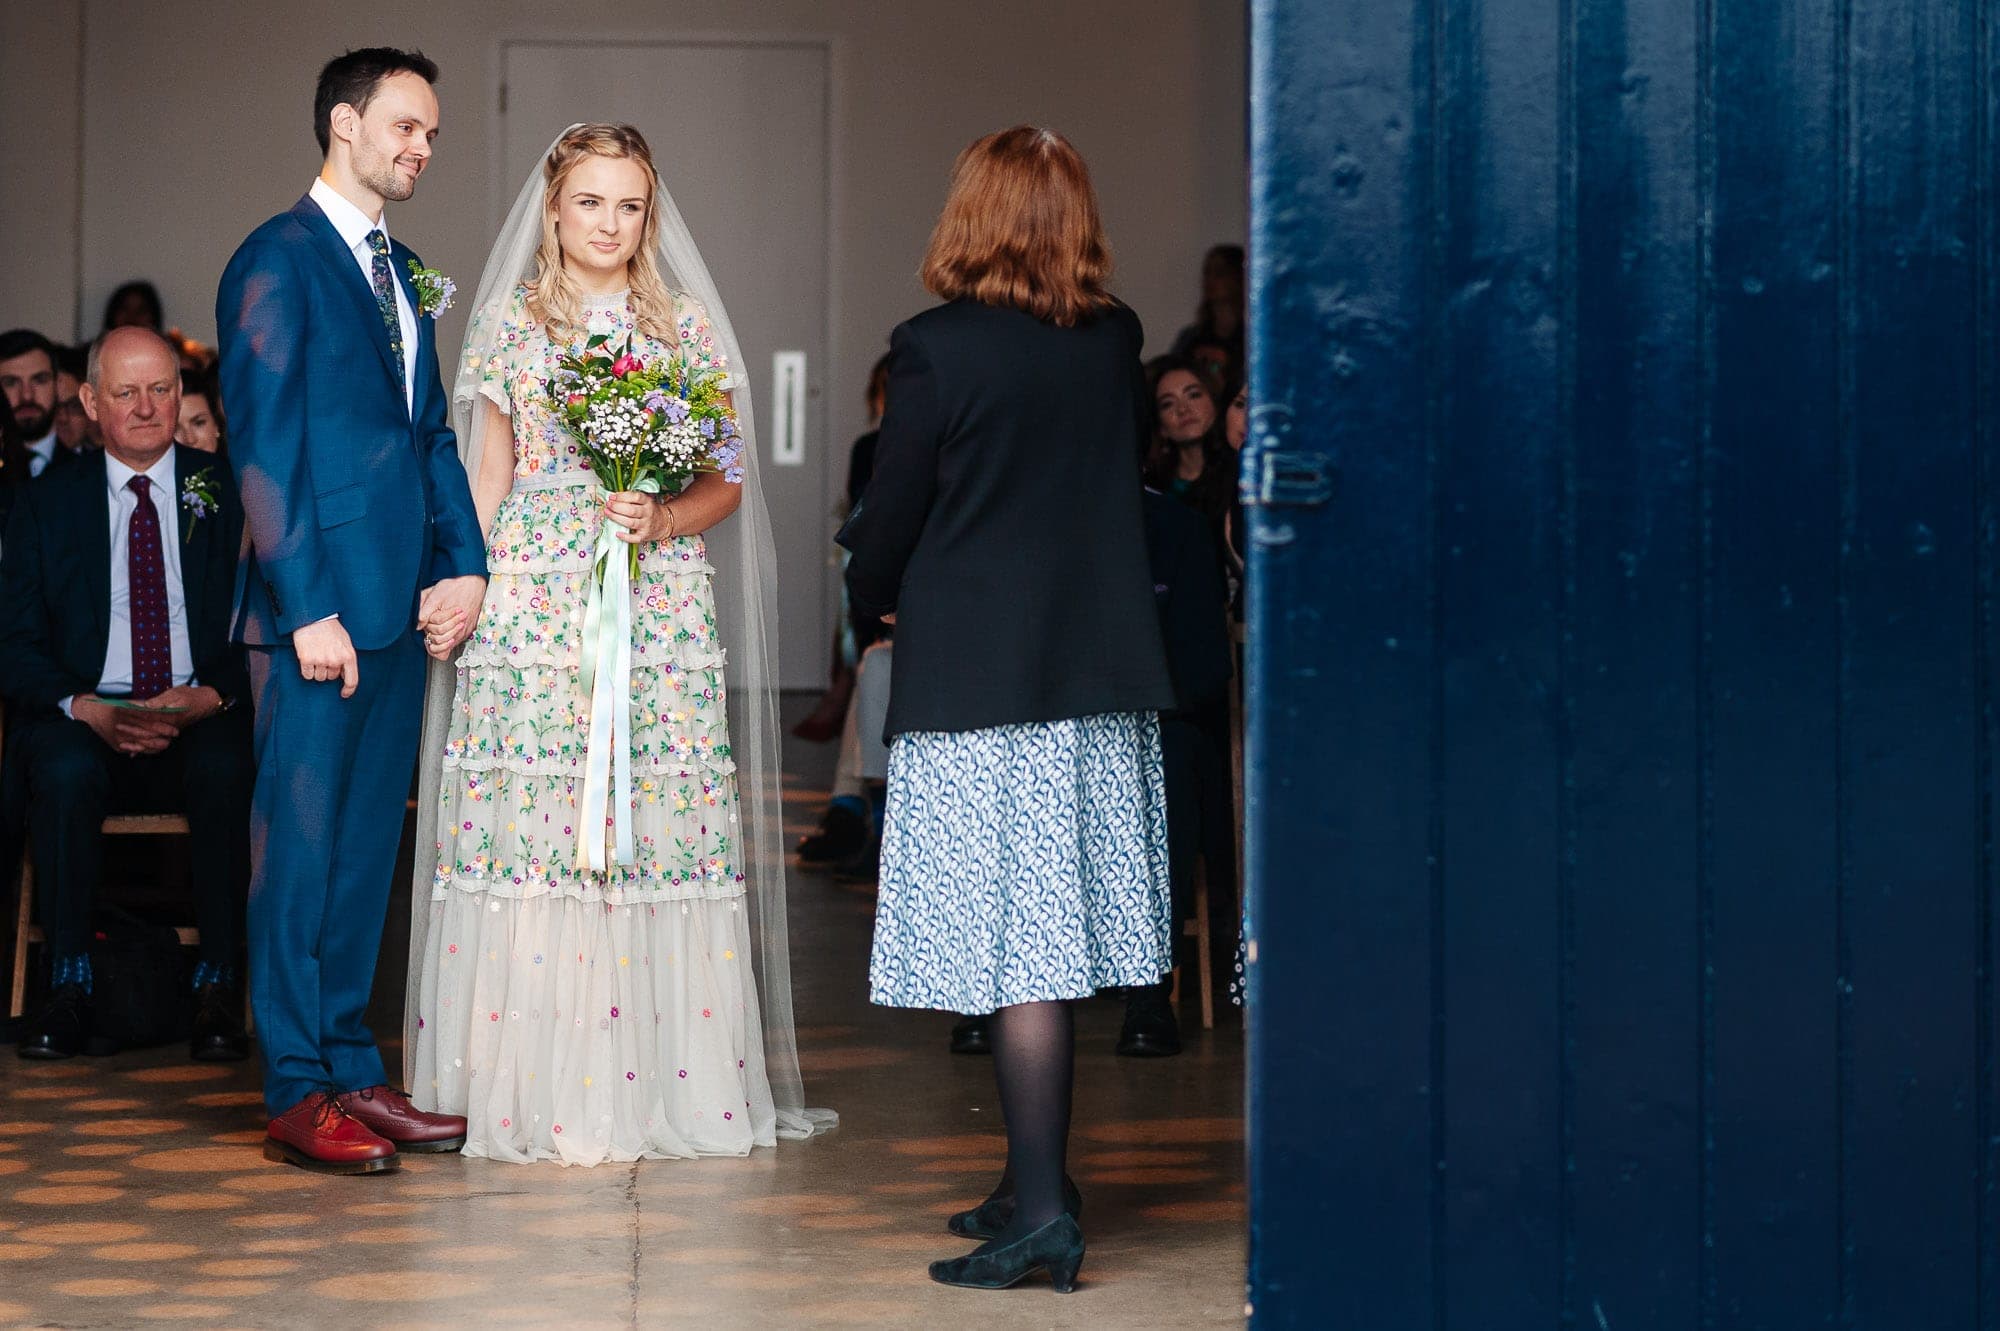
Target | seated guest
(75,430)
(851,633)
(1193,603)
(28,381)
(14,474)
(200,424)
(1188,459)
(115,588)
(135,305)
(849,838)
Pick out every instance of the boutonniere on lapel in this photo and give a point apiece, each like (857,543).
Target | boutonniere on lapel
(434,289)
(198,499)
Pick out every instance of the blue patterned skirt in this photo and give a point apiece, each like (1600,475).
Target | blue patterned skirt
(1022,864)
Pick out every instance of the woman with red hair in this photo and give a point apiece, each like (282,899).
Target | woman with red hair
(1024,859)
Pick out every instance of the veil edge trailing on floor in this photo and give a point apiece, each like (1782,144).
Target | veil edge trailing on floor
(745,584)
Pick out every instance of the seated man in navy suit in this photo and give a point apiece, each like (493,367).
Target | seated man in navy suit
(116,576)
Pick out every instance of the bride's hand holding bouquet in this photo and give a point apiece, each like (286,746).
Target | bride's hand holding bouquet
(646,428)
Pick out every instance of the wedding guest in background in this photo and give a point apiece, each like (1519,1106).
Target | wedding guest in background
(196,357)
(72,363)
(115,586)
(200,424)
(1192,601)
(851,637)
(28,382)
(135,305)
(1218,319)
(14,474)
(1189,460)
(1024,859)
(75,430)
(1235,433)
(848,840)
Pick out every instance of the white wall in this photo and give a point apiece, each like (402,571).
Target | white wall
(40,132)
(195,124)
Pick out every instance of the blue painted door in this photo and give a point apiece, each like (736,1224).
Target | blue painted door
(1621,683)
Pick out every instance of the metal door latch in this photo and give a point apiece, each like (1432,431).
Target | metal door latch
(1298,480)
(1275,475)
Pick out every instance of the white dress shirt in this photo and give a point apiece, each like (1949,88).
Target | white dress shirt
(115,681)
(42,452)
(354,226)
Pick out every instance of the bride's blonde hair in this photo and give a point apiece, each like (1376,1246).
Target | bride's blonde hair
(553,298)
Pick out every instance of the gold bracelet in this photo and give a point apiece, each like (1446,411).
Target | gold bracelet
(673,522)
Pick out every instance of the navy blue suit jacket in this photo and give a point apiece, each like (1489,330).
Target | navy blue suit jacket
(352,503)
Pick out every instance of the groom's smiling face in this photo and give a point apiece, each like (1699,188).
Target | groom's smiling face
(390,137)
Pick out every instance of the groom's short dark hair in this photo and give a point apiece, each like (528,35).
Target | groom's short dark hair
(353,78)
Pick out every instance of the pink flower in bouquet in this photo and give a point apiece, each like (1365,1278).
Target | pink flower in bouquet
(575,399)
(626,364)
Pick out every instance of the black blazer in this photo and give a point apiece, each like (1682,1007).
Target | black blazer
(1002,522)
(55,583)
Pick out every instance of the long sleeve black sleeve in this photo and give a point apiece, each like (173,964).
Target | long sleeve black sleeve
(884,530)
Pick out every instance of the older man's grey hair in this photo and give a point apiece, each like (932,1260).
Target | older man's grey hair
(93,372)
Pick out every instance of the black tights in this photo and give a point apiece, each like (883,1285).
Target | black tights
(1034,1062)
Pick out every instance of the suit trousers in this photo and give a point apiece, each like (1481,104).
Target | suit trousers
(332,777)
(74,779)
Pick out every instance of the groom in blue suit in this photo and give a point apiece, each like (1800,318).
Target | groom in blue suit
(360,531)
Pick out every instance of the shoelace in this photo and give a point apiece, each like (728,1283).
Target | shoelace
(328,1108)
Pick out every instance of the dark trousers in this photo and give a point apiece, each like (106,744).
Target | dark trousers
(332,775)
(74,780)
(1201,811)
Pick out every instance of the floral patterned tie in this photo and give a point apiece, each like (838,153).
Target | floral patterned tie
(146,582)
(385,300)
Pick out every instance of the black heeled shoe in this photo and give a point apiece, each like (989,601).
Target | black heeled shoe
(1058,1246)
(987,1219)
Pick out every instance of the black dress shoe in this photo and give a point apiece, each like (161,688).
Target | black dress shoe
(1056,1247)
(969,1036)
(218,1036)
(61,1028)
(863,865)
(1150,1030)
(841,833)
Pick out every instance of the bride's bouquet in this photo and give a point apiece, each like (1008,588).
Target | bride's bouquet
(647,426)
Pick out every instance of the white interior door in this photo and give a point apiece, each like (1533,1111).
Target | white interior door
(739,133)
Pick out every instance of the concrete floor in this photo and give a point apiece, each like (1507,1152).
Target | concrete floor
(132,1192)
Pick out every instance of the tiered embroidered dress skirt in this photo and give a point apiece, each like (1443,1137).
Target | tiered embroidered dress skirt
(573,1015)
(1023,863)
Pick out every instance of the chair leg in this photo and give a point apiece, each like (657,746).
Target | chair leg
(23,918)
(1205,963)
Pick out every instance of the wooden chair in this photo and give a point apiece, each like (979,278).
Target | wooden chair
(27,932)
(1197,929)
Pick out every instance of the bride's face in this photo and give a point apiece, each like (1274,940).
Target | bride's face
(601,214)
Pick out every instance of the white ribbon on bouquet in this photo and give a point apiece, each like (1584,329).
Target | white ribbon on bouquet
(606,676)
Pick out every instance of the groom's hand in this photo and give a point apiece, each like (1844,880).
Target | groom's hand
(447,612)
(327,653)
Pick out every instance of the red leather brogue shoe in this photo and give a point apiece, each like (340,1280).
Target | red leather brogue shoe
(387,1112)
(317,1134)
